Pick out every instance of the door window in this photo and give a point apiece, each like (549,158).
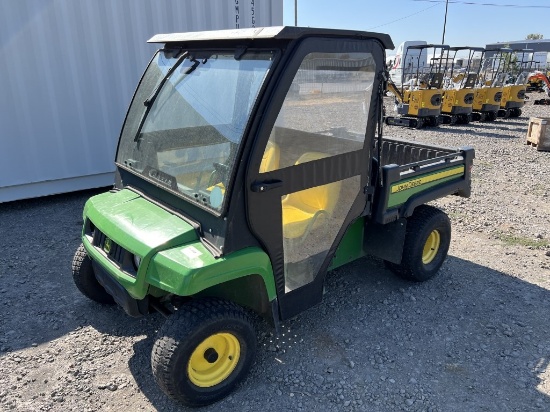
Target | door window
(312,219)
(324,111)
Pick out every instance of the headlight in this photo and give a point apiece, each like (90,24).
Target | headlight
(137,261)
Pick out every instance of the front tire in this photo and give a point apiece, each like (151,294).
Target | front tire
(426,245)
(203,351)
(85,280)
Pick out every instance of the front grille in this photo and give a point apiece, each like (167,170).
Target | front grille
(116,253)
(112,249)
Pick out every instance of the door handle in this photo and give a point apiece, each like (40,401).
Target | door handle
(266,185)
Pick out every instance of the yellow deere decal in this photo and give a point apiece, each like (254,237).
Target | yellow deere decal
(107,245)
(426,179)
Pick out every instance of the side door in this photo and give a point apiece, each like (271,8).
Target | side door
(310,166)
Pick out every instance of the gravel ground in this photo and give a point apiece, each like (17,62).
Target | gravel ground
(474,338)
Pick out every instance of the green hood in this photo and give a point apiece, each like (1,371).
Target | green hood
(137,224)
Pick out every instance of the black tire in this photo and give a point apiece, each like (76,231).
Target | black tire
(187,338)
(419,123)
(85,280)
(427,226)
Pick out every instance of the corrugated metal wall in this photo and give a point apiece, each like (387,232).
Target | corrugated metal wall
(68,69)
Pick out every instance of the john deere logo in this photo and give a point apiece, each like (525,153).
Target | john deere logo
(107,245)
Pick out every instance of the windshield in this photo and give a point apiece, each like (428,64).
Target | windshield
(187,119)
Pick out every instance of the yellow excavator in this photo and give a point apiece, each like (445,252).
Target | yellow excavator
(513,92)
(458,94)
(459,83)
(488,93)
(418,99)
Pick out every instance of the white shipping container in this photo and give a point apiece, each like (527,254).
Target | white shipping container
(68,70)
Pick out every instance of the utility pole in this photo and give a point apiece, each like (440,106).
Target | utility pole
(296,12)
(444,23)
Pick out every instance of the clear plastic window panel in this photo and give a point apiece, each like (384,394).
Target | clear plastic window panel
(325,109)
(312,219)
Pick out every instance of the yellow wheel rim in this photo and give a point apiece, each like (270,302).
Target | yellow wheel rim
(214,360)
(431,247)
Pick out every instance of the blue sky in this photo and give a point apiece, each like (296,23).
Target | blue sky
(467,24)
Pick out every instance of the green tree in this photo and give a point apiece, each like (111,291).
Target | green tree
(534,36)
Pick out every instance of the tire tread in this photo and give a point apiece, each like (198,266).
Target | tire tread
(84,278)
(407,269)
(191,316)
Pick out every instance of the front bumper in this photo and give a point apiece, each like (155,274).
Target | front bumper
(131,306)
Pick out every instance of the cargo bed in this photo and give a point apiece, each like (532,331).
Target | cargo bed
(415,173)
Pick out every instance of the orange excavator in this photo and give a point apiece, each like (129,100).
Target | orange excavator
(538,81)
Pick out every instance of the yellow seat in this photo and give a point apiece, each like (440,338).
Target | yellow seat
(308,209)
(271,157)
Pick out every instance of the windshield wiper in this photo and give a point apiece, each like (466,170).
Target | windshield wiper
(150,100)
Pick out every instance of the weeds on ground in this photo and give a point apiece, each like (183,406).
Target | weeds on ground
(512,240)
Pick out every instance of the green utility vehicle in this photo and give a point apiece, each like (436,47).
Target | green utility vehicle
(250,163)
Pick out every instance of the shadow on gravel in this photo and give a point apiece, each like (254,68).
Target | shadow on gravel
(475,338)
(476,130)
(38,299)
(471,339)
(501,125)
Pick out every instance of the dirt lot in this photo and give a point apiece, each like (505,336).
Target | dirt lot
(475,338)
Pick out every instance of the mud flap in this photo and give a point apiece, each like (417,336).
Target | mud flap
(385,241)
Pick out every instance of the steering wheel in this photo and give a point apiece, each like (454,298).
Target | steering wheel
(220,174)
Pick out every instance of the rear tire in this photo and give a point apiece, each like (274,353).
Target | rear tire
(426,245)
(85,280)
(203,351)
